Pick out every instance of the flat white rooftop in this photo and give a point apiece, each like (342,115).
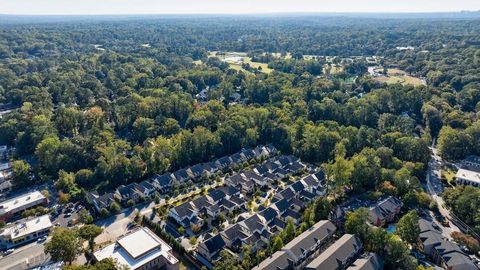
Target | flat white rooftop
(136,249)
(26,199)
(468,175)
(26,226)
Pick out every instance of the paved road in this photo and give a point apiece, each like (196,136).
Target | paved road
(435,188)
(23,257)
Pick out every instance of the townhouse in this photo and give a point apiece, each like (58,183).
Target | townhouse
(339,255)
(385,211)
(298,252)
(440,250)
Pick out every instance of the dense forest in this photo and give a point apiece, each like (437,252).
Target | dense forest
(100,103)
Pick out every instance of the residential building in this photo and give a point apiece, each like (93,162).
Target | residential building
(140,250)
(211,248)
(99,202)
(440,250)
(164,183)
(16,205)
(369,261)
(385,211)
(131,191)
(467,177)
(184,214)
(298,252)
(339,255)
(24,231)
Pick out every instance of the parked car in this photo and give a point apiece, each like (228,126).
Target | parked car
(42,239)
(8,252)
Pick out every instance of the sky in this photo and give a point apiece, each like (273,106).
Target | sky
(94,7)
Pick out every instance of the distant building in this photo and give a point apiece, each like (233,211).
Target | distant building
(24,231)
(467,177)
(140,249)
(17,205)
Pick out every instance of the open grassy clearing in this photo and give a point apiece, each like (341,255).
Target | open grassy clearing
(236,59)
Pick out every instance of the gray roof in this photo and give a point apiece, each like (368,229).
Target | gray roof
(280,260)
(214,245)
(184,210)
(370,261)
(384,208)
(344,248)
(318,232)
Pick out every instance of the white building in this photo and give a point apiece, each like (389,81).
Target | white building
(466,177)
(140,249)
(20,203)
(24,231)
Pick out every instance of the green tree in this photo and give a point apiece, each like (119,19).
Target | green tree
(85,217)
(357,223)
(408,228)
(90,232)
(20,174)
(277,243)
(64,246)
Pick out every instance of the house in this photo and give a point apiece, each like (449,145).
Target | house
(257,179)
(294,168)
(24,231)
(467,177)
(184,214)
(385,211)
(16,205)
(211,247)
(261,152)
(339,255)
(238,159)
(295,254)
(181,176)
(223,163)
(234,236)
(249,154)
(140,249)
(197,171)
(281,206)
(131,191)
(164,183)
(369,261)
(100,202)
(255,223)
(210,168)
(147,188)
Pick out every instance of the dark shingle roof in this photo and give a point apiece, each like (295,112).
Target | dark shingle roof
(214,244)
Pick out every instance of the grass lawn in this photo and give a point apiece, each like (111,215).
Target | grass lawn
(405,79)
(235,65)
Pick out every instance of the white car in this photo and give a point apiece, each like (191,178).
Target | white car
(8,252)
(42,239)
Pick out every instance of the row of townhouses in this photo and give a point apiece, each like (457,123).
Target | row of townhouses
(256,230)
(440,250)
(220,200)
(164,183)
(317,249)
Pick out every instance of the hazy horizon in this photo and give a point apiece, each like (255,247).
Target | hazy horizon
(146,7)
